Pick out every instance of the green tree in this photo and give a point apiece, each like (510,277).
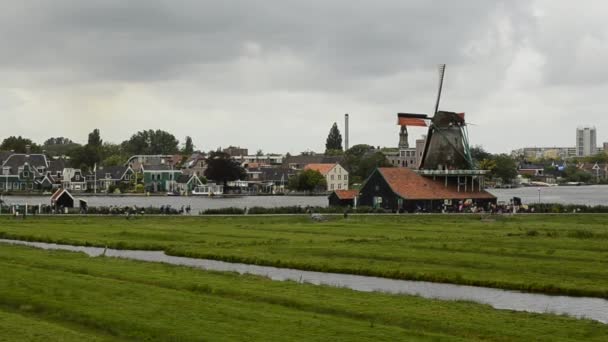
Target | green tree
(334,139)
(87,156)
(58,146)
(18,144)
(188,146)
(506,168)
(307,180)
(222,168)
(487,164)
(478,153)
(361,160)
(151,142)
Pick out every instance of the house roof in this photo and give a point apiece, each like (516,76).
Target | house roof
(60,192)
(346,194)
(410,185)
(116,172)
(312,159)
(185,179)
(323,168)
(160,167)
(18,159)
(57,165)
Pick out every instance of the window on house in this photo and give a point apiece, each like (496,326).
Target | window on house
(331,187)
(345,177)
(332,177)
(108,175)
(339,177)
(77,177)
(339,186)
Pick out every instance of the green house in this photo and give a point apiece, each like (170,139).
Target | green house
(160,178)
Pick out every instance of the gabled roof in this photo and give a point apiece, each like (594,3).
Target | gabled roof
(60,192)
(20,159)
(57,165)
(323,168)
(410,185)
(185,179)
(346,194)
(116,172)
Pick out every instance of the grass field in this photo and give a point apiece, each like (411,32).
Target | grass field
(562,254)
(63,296)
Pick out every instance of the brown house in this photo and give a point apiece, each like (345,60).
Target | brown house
(404,190)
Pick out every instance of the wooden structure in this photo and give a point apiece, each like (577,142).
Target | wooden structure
(62,198)
(343,198)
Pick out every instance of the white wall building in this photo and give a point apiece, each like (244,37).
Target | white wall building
(586,144)
(335,175)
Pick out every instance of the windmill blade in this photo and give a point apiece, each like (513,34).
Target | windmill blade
(441,74)
(411,119)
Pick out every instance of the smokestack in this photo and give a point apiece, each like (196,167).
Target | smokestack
(346,132)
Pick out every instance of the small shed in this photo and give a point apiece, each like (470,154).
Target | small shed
(62,198)
(343,198)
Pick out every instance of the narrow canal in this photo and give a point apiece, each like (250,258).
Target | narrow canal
(580,307)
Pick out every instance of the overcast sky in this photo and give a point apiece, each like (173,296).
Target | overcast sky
(275,74)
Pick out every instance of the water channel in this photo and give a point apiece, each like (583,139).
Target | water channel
(586,195)
(580,307)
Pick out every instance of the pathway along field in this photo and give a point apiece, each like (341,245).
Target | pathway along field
(555,254)
(65,296)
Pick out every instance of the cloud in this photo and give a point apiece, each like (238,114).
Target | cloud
(276,74)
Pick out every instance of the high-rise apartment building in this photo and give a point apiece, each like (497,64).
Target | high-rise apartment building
(586,144)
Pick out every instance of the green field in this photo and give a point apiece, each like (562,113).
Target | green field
(64,296)
(561,254)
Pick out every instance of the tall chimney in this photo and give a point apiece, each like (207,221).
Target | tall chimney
(28,149)
(346,132)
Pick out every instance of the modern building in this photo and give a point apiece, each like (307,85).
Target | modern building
(532,153)
(586,142)
(335,175)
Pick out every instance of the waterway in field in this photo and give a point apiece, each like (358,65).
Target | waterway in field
(580,307)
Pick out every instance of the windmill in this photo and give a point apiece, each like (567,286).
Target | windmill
(447,144)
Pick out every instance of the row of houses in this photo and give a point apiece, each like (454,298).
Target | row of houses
(30,172)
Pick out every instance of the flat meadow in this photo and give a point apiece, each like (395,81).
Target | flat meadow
(555,254)
(67,296)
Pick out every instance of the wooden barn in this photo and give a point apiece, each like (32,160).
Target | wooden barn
(62,198)
(343,198)
(404,190)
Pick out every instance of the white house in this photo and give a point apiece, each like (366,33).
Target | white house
(335,175)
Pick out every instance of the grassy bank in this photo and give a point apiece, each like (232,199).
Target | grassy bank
(562,254)
(50,295)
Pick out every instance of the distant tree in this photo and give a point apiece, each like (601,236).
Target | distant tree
(151,142)
(308,180)
(58,141)
(487,164)
(574,174)
(478,153)
(259,153)
(18,145)
(361,160)
(334,139)
(506,168)
(95,139)
(222,168)
(188,147)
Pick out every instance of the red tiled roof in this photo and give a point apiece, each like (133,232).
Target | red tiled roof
(346,194)
(323,168)
(410,185)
